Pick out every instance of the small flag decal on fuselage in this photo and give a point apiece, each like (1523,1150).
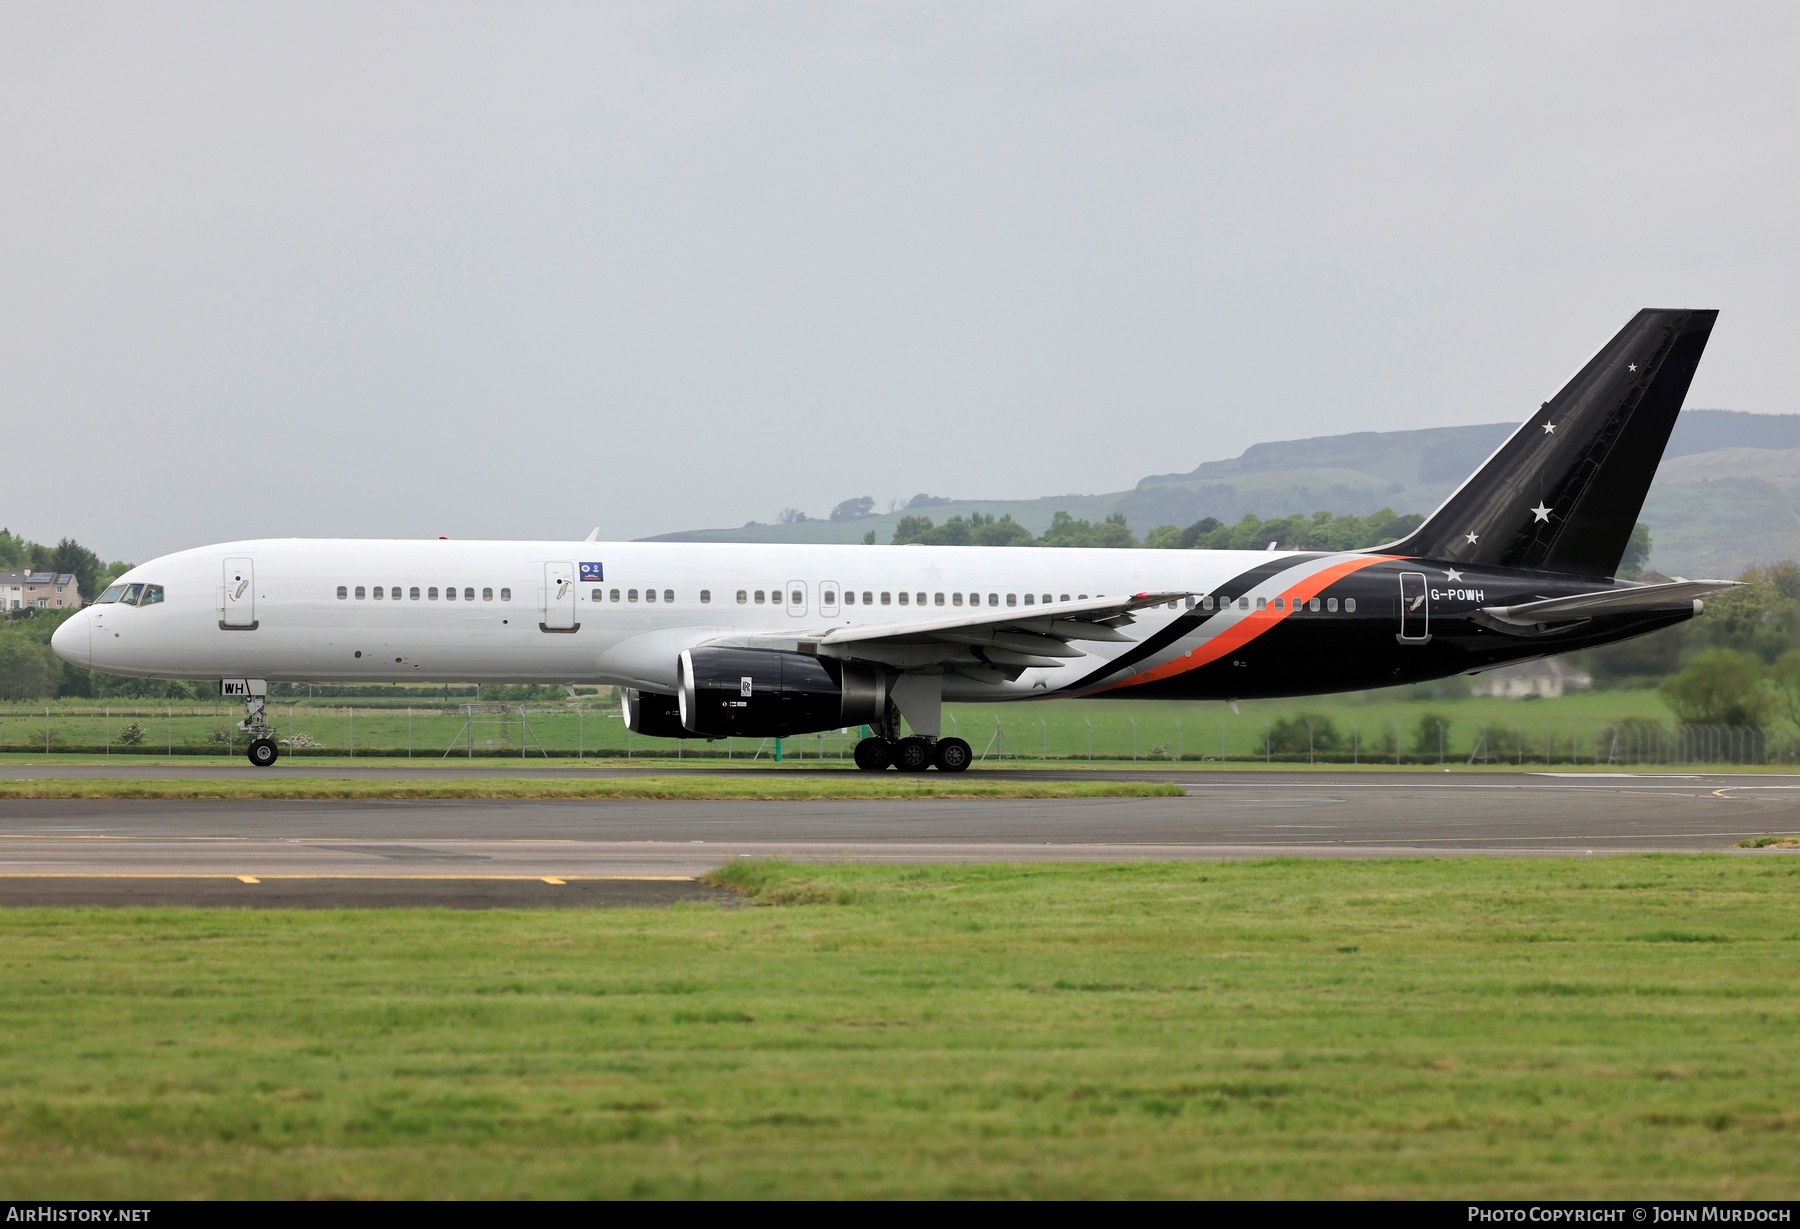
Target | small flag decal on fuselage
(592,571)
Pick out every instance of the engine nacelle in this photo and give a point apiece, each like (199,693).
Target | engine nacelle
(761,693)
(651,714)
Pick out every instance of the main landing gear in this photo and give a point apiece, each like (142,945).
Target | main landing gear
(913,754)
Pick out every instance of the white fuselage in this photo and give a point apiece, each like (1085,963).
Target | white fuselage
(306,610)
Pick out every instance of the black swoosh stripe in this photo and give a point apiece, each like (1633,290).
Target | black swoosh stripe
(1188,622)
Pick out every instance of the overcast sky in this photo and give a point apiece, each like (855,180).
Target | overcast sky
(517,270)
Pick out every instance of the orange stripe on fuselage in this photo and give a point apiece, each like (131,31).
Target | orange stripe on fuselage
(1253,625)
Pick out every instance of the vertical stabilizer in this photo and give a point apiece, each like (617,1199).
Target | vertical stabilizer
(1563,493)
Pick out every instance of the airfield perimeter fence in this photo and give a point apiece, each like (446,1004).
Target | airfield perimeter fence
(567,731)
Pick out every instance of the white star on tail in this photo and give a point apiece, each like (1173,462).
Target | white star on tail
(1452,574)
(1631,367)
(1541,512)
(1549,428)
(1473,538)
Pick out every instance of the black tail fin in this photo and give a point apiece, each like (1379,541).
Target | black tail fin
(1563,493)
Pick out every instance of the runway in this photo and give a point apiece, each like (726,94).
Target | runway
(476,853)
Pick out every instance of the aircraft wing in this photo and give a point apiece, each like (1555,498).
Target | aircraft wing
(989,644)
(1608,601)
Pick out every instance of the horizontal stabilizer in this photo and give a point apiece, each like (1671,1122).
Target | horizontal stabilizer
(1609,601)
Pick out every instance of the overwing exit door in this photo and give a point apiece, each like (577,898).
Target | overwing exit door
(559,598)
(1415,608)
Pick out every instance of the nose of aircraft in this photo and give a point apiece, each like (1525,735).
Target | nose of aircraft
(73,641)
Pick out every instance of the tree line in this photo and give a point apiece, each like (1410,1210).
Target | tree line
(1320,531)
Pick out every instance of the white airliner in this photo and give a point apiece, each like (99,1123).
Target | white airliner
(711,640)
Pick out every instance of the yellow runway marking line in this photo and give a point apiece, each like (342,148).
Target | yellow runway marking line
(554,880)
(566,879)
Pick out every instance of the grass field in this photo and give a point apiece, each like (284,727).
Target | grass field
(1373,726)
(1619,1027)
(745,786)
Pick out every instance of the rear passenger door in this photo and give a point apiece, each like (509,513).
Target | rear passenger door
(559,598)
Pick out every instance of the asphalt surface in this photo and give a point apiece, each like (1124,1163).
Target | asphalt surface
(484,853)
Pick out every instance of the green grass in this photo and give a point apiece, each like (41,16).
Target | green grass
(1612,1027)
(736,786)
(1573,729)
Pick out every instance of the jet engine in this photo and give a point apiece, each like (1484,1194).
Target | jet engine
(651,714)
(761,693)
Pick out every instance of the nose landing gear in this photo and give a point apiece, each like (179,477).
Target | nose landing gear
(263,752)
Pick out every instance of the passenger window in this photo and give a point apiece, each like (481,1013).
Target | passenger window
(887,599)
(1331,604)
(378,593)
(1244,603)
(506,595)
(413,593)
(432,593)
(956,599)
(937,599)
(1065,597)
(631,595)
(649,595)
(468,594)
(1031,599)
(868,598)
(449,593)
(360,593)
(705,597)
(1313,605)
(344,592)
(668,595)
(598,595)
(796,598)
(613,596)
(1349,605)
(1012,599)
(828,597)
(1082,596)
(1278,604)
(903,599)
(993,599)
(743,596)
(759,597)
(152,595)
(1262,603)
(849,597)
(1046,599)
(487,595)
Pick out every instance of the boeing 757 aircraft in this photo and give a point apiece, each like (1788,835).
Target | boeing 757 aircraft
(767,640)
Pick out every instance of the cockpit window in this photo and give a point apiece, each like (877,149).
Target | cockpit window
(152,595)
(112,594)
(131,595)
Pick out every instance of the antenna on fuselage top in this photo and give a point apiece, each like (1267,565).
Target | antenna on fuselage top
(594,536)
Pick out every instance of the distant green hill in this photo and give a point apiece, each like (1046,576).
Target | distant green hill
(1727,495)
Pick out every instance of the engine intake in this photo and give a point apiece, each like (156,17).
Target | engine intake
(761,693)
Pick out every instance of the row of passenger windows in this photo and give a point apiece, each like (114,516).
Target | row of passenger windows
(148,594)
(1263,603)
(829,597)
(393,593)
(631,595)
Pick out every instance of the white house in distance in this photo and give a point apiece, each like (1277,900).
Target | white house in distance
(1549,677)
(51,590)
